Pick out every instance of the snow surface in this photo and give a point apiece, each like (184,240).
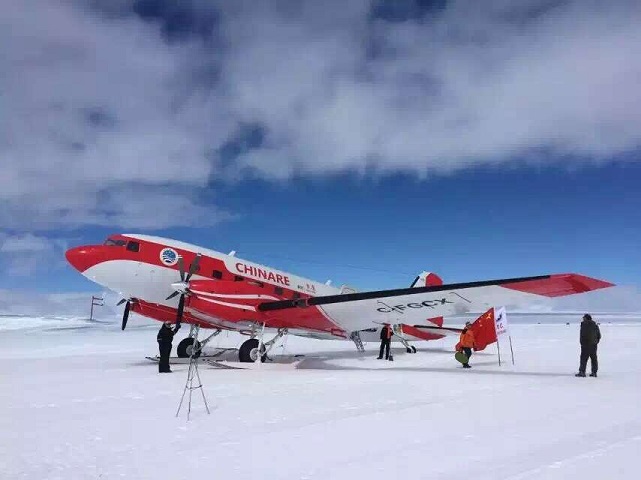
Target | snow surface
(80,401)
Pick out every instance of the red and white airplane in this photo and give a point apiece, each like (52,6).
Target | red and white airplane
(169,280)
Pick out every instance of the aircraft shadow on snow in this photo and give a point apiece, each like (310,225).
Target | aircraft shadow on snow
(323,360)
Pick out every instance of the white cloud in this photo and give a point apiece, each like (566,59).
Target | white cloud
(624,298)
(617,299)
(26,243)
(89,124)
(24,254)
(103,120)
(14,302)
(464,88)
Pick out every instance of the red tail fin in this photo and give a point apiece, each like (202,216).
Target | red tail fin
(433,280)
(484,330)
(426,279)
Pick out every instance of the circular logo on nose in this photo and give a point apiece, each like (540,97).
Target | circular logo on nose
(168,256)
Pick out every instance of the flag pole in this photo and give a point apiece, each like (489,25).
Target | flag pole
(512,351)
(498,348)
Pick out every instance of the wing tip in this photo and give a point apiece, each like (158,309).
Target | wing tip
(559,285)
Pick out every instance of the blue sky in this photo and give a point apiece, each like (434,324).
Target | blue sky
(378,233)
(360,142)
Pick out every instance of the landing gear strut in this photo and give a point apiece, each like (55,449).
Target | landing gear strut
(186,345)
(249,350)
(356,338)
(398,331)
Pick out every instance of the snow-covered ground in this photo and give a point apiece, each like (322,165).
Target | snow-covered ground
(80,401)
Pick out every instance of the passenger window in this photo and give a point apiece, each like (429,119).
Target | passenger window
(296,296)
(133,246)
(278,290)
(238,278)
(217,274)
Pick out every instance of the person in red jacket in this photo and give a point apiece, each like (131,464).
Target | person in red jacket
(466,343)
(386,340)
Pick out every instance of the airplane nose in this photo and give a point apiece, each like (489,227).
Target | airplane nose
(82,258)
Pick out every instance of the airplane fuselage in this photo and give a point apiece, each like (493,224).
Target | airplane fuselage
(145,269)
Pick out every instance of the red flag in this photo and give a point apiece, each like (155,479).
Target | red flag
(484,330)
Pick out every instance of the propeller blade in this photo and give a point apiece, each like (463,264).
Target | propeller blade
(173,295)
(121,302)
(125,315)
(181,267)
(193,267)
(179,314)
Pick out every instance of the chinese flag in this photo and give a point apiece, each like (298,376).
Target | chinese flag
(484,330)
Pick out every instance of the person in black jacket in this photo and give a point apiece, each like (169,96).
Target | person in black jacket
(589,338)
(165,337)
(386,340)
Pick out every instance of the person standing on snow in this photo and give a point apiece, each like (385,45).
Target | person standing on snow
(165,337)
(589,338)
(466,343)
(386,340)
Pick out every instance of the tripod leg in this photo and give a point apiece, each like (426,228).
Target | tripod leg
(202,390)
(183,395)
(191,373)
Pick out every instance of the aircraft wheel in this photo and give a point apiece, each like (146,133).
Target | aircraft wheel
(408,350)
(413,349)
(248,351)
(185,346)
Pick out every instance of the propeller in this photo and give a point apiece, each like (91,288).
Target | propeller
(181,269)
(182,287)
(125,315)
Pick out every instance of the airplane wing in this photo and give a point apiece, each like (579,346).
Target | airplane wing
(357,311)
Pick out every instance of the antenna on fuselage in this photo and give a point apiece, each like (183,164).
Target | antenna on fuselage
(328,282)
(232,253)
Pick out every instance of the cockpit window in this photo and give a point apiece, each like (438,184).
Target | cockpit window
(115,242)
(133,246)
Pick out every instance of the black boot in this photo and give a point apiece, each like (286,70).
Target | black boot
(580,374)
(593,374)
